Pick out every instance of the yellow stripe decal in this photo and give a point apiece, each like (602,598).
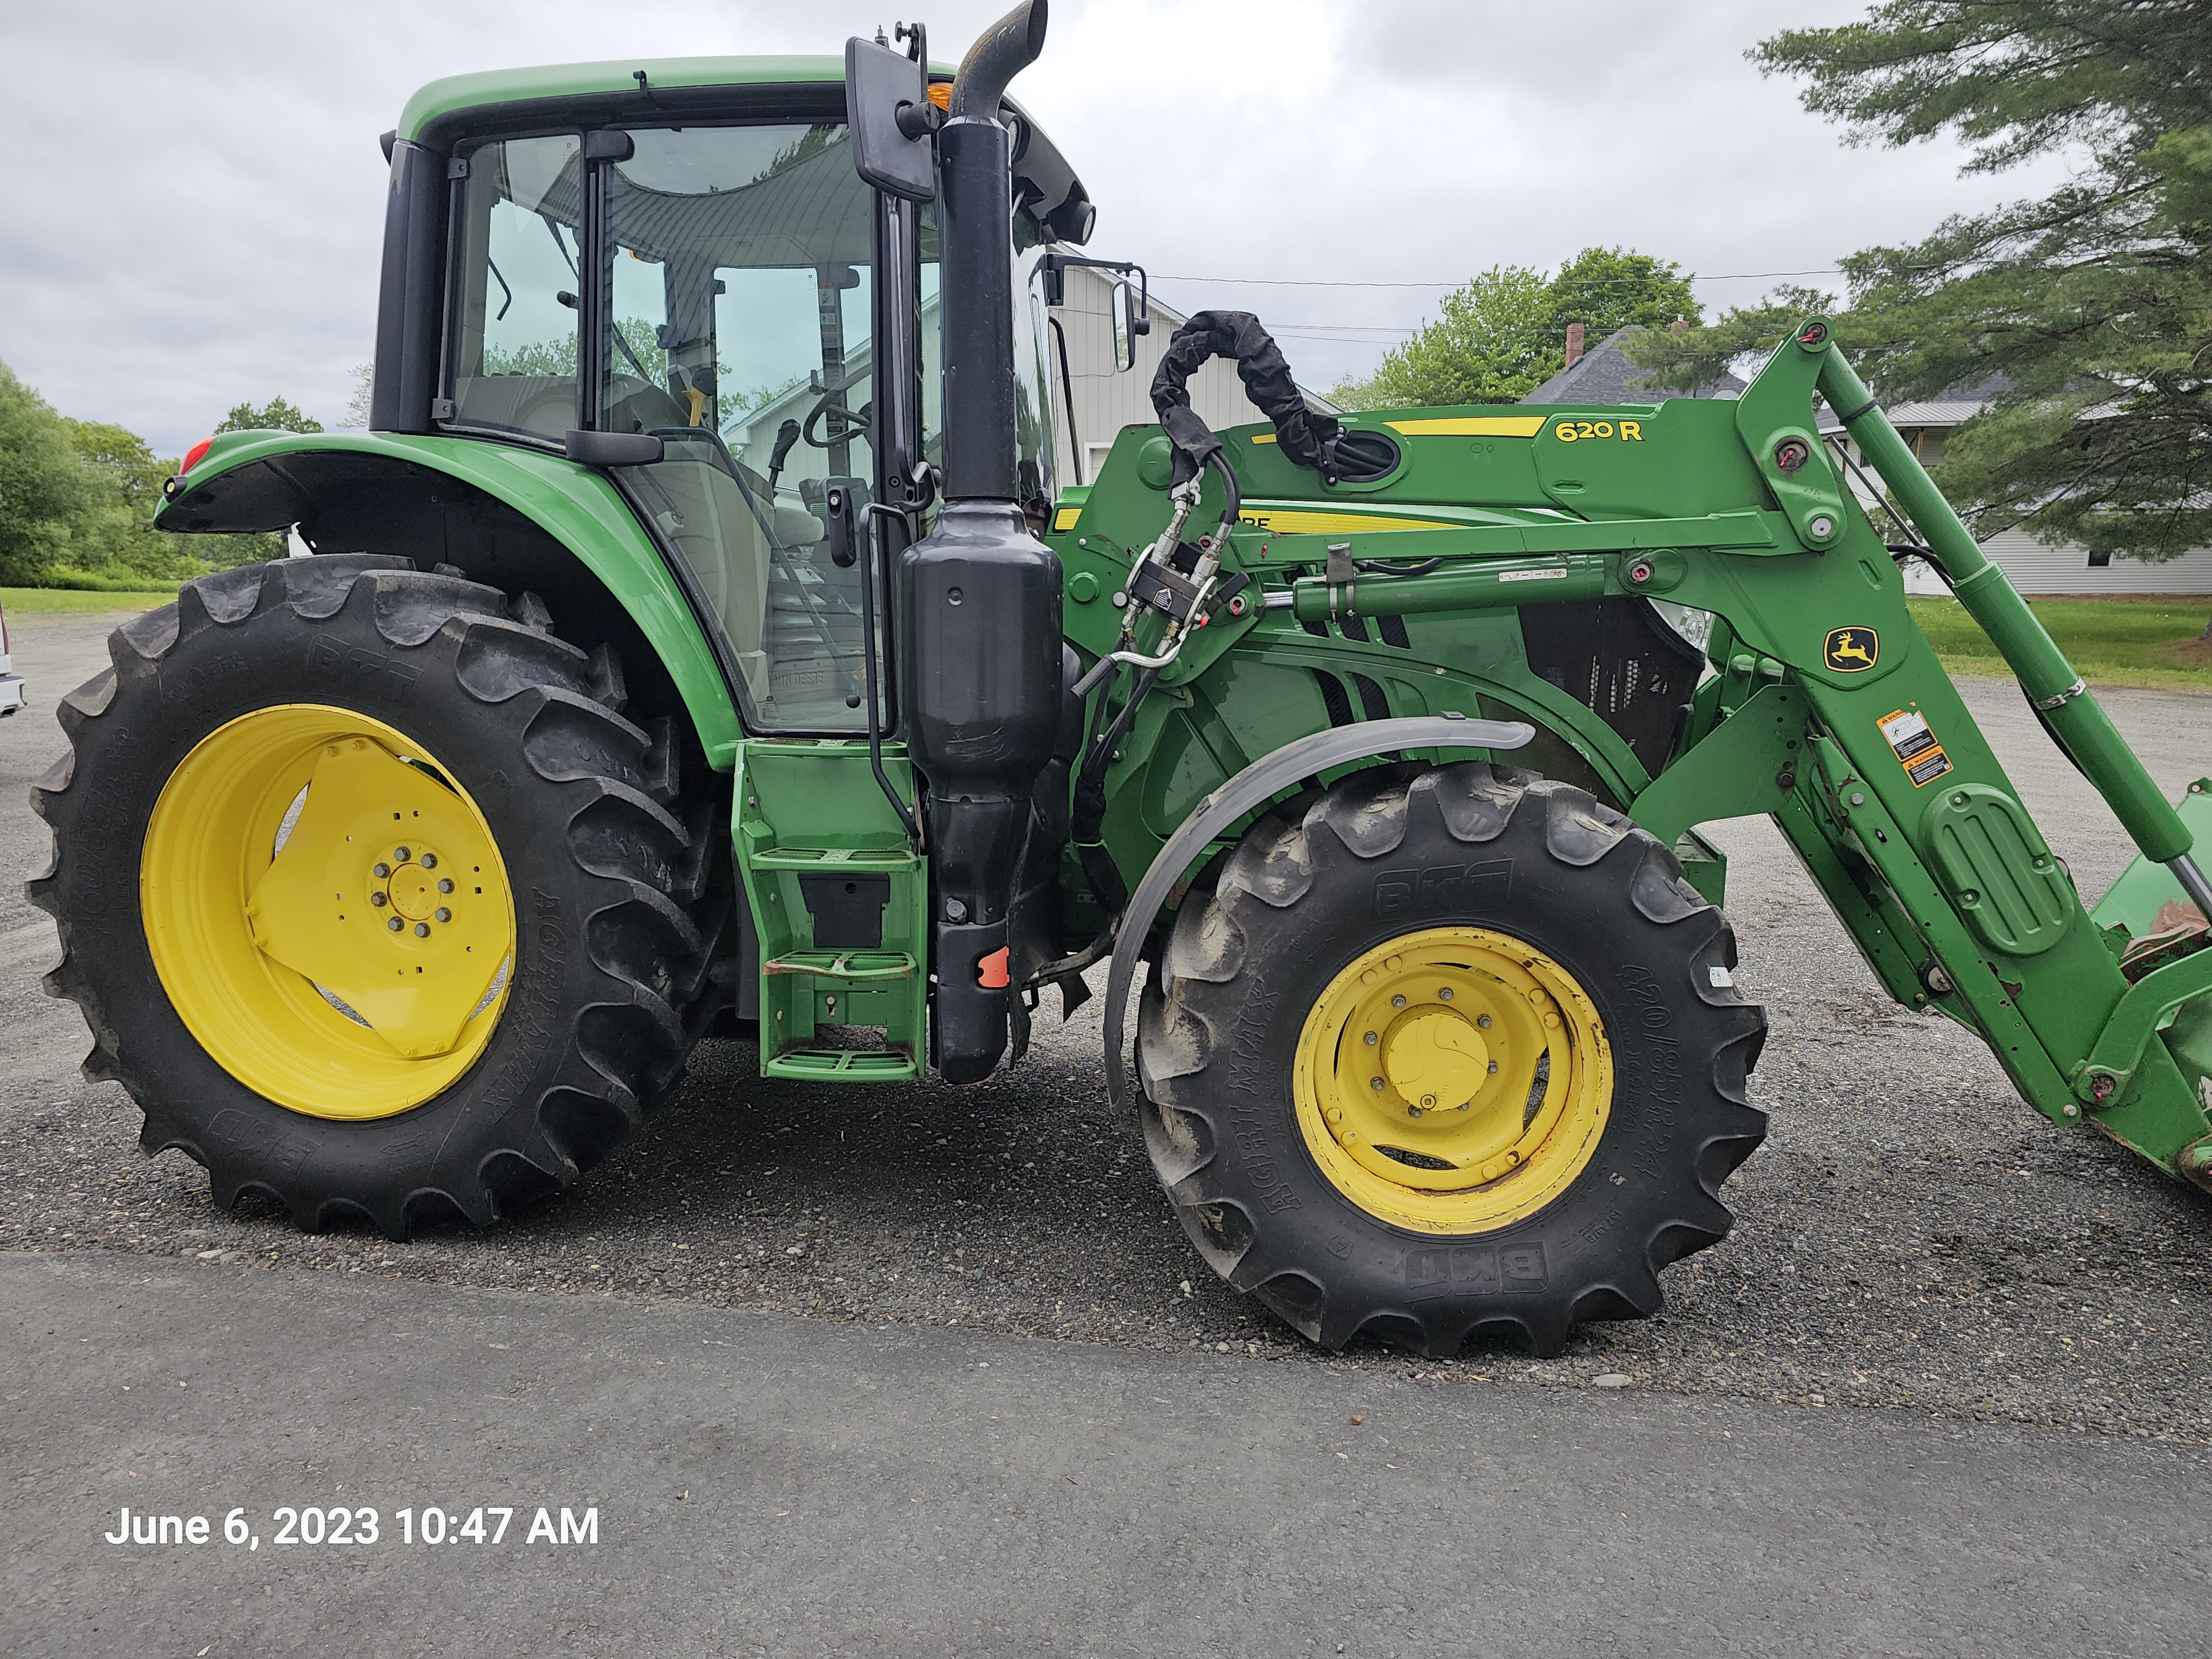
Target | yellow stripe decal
(1474,426)
(1263,438)
(1066,517)
(1288,523)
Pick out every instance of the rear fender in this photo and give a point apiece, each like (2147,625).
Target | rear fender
(351,491)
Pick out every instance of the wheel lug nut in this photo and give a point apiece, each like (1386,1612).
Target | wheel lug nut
(444,915)
(446,884)
(395,924)
(1397,1002)
(1445,994)
(421,930)
(381,871)
(378,900)
(430,860)
(1493,1067)
(402,854)
(1375,1084)
(1483,1020)
(1370,1039)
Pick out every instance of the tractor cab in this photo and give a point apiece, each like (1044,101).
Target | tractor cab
(687,254)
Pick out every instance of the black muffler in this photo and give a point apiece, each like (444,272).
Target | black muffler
(980,669)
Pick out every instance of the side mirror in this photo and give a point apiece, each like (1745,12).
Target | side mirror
(1132,318)
(884,96)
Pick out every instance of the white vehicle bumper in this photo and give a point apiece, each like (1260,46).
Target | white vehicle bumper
(11,689)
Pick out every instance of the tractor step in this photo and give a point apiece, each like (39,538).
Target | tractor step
(843,1065)
(839,860)
(838,901)
(844,967)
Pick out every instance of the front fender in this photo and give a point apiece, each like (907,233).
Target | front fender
(259,481)
(1258,783)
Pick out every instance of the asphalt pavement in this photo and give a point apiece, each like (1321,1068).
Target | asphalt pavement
(757,1483)
(1916,1255)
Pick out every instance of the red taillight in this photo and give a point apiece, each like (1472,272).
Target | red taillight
(192,455)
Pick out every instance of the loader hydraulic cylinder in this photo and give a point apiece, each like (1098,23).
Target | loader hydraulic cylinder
(2075,716)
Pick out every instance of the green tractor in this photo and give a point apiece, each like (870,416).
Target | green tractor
(699,637)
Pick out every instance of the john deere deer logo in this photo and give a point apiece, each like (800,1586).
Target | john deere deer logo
(1850,650)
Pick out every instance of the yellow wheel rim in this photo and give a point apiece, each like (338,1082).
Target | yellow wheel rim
(327,911)
(1453,1080)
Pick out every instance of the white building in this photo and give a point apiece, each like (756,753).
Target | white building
(2035,567)
(1105,402)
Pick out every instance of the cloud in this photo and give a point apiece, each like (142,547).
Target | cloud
(195,207)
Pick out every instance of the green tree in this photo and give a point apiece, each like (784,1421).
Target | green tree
(44,493)
(275,416)
(1505,333)
(116,536)
(1606,288)
(1487,345)
(2093,302)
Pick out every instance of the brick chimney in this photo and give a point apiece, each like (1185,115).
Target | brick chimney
(1574,343)
(1679,327)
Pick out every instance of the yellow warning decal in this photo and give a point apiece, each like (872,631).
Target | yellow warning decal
(1907,733)
(1065,519)
(1473,425)
(1287,522)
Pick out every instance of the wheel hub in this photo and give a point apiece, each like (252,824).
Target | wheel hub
(328,912)
(1452,1079)
(1434,1059)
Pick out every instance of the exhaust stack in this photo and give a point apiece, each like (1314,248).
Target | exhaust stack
(979,595)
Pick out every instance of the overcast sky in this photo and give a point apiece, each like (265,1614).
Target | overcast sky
(195,209)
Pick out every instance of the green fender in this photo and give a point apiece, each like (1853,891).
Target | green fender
(574,504)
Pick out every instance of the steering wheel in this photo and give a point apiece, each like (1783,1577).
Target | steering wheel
(856,420)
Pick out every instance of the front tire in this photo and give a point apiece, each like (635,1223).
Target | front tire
(371,897)
(1455,1049)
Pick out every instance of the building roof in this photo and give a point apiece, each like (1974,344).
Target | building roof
(1953,406)
(1604,374)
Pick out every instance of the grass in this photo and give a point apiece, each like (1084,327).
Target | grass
(35,601)
(2151,642)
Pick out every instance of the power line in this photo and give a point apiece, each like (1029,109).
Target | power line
(1583,282)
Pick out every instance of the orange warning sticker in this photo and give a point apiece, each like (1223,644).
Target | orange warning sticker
(1907,733)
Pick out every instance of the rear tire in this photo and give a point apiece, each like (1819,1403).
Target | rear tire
(1415,872)
(615,920)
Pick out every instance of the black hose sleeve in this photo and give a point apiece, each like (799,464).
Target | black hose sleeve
(1308,439)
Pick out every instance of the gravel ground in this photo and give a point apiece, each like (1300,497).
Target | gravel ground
(1911,1235)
